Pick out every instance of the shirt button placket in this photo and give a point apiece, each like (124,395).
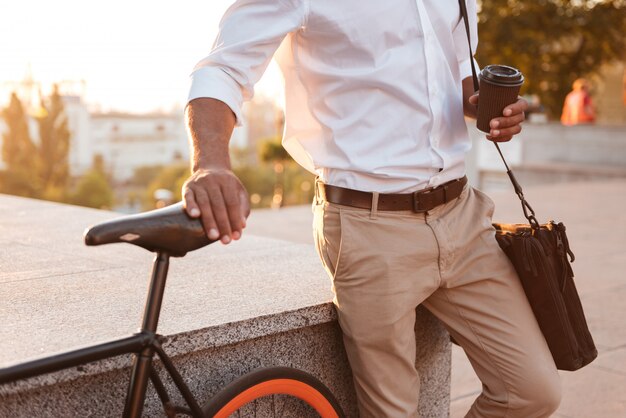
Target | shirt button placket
(427,29)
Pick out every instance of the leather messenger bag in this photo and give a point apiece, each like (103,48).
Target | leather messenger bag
(541,256)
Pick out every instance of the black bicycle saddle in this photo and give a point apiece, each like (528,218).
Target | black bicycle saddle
(168,230)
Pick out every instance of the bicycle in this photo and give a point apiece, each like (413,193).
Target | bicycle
(169,232)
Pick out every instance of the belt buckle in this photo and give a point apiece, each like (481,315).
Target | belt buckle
(416,200)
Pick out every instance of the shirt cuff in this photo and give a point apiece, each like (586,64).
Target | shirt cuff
(465,68)
(212,82)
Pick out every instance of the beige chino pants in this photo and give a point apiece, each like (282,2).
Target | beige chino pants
(384,264)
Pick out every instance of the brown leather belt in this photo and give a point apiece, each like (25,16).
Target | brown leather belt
(419,201)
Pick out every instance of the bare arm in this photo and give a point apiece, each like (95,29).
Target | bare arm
(210,124)
(213,192)
(469,109)
(248,36)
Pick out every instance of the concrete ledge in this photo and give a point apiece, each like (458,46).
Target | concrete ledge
(602,145)
(227,310)
(548,173)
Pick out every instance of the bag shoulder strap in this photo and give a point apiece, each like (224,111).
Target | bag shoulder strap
(529,213)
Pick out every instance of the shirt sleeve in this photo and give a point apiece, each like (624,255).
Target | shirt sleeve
(249,33)
(460,40)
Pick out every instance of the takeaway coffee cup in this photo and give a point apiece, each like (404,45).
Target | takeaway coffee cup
(499,87)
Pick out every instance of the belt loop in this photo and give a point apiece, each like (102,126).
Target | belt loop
(374,210)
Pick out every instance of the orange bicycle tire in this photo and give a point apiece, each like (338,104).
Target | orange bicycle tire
(274,381)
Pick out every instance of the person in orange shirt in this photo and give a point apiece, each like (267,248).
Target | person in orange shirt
(578,107)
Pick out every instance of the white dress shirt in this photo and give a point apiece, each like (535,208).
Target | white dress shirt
(373,88)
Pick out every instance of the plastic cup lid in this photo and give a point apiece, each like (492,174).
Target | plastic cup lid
(502,75)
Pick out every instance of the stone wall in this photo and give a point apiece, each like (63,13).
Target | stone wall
(227,310)
(550,153)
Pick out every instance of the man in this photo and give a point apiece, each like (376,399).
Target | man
(578,107)
(375,98)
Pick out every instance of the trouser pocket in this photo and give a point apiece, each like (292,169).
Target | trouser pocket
(327,234)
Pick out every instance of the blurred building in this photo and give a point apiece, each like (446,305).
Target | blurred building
(609,94)
(81,144)
(263,120)
(125,141)
(128,141)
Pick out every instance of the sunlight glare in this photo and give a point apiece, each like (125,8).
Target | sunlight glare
(133,55)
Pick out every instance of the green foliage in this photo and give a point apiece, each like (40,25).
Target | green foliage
(170,178)
(272,150)
(93,189)
(279,174)
(36,169)
(552,42)
(41,169)
(260,180)
(299,185)
(19,183)
(18,148)
(54,143)
(257,180)
(144,175)
(18,153)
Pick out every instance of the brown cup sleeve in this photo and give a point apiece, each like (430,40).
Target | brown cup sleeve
(492,101)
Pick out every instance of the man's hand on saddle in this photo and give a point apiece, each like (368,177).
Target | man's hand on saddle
(219,199)
(510,124)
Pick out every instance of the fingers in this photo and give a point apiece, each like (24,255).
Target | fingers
(197,204)
(514,130)
(232,208)
(505,134)
(220,200)
(473,99)
(516,108)
(208,219)
(189,202)
(504,128)
(220,214)
(507,122)
(499,138)
(245,205)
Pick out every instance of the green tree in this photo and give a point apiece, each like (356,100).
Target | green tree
(299,185)
(54,146)
(93,189)
(18,152)
(258,180)
(552,42)
(272,151)
(170,178)
(144,175)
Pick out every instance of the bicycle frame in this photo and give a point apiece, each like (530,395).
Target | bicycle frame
(143,345)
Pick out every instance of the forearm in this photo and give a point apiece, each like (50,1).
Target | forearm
(210,124)
(468,90)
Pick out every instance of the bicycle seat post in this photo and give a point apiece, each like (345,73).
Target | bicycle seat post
(168,231)
(152,309)
(142,361)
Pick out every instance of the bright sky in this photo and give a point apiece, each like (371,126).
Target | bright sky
(135,55)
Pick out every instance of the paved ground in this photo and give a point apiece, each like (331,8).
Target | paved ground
(595,214)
